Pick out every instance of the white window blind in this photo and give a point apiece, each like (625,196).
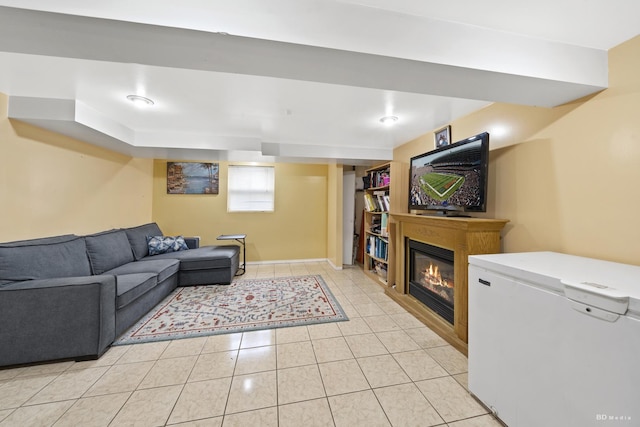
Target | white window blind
(251,189)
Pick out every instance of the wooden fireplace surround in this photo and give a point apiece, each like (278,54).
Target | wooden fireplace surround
(464,236)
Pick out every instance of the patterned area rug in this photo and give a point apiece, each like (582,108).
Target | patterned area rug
(244,305)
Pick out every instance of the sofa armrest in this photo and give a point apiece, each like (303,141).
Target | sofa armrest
(49,319)
(192,242)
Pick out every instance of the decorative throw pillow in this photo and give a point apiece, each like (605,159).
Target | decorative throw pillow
(165,244)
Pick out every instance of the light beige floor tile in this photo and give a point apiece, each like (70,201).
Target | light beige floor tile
(295,354)
(357,409)
(406,406)
(324,330)
(425,337)
(258,338)
(331,349)
(349,310)
(37,415)
(354,327)
(95,411)
(365,345)
(209,422)
(224,342)
(8,374)
(382,323)
(201,400)
(449,358)
(143,352)
(311,413)
(149,407)
(282,270)
(69,385)
(5,413)
(294,334)
(342,377)
(450,399)
(210,366)
(120,378)
(257,359)
(481,421)
(267,417)
(299,383)
(463,380)
(43,369)
(406,320)
(419,365)
(382,371)
(370,309)
(379,297)
(109,358)
(391,307)
(397,341)
(360,299)
(184,347)
(169,372)
(17,391)
(253,391)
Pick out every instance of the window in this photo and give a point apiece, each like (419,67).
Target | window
(251,189)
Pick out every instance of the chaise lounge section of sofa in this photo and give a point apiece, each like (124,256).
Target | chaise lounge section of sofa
(70,297)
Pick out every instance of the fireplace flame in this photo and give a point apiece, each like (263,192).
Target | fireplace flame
(432,276)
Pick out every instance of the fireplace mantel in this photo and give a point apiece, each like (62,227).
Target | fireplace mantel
(464,236)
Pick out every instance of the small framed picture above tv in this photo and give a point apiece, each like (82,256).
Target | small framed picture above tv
(443,137)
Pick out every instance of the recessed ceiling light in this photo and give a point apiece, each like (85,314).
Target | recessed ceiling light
(388,120)
(140,101)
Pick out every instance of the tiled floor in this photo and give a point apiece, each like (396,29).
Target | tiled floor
(382,367)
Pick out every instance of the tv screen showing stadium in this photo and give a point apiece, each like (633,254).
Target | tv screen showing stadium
(452,177)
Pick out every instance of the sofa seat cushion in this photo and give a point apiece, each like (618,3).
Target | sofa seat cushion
(163,268)
(108,250)
(138,238)
(202,258)
(52,257)
(130,287)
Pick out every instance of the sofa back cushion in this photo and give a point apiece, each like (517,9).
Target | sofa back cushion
(138,238)
(51,257)
(108,250)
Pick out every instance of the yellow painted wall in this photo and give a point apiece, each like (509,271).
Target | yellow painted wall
(566,177)
(297,229)
(335,215)
(51,184)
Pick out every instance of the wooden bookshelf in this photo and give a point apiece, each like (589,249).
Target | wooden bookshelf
(385,186)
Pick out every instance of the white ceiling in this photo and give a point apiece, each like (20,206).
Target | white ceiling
(294,80)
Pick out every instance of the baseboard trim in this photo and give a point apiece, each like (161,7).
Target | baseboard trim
(287,261)
(295,261)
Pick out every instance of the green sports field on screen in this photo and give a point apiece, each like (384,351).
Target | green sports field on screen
(440,186)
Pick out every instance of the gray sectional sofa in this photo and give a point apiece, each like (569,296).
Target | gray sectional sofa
(70,297)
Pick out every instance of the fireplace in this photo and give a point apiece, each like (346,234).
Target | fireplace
(431,277)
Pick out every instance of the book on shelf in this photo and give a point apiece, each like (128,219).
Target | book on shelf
(377,178)
(381,270)
(377,247)
(384,222)
(374,202)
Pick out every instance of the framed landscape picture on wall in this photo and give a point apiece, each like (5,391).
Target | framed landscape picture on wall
(192,178)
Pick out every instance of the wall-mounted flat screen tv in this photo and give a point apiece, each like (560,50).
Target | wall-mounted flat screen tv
(451,179)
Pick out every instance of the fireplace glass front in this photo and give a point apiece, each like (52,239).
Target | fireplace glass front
(431,278)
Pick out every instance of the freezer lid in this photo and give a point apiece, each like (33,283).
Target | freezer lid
(597,295)
(608,285)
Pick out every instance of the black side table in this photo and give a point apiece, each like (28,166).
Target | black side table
(240,238)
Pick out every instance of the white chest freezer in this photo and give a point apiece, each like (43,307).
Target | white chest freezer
(554,339)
